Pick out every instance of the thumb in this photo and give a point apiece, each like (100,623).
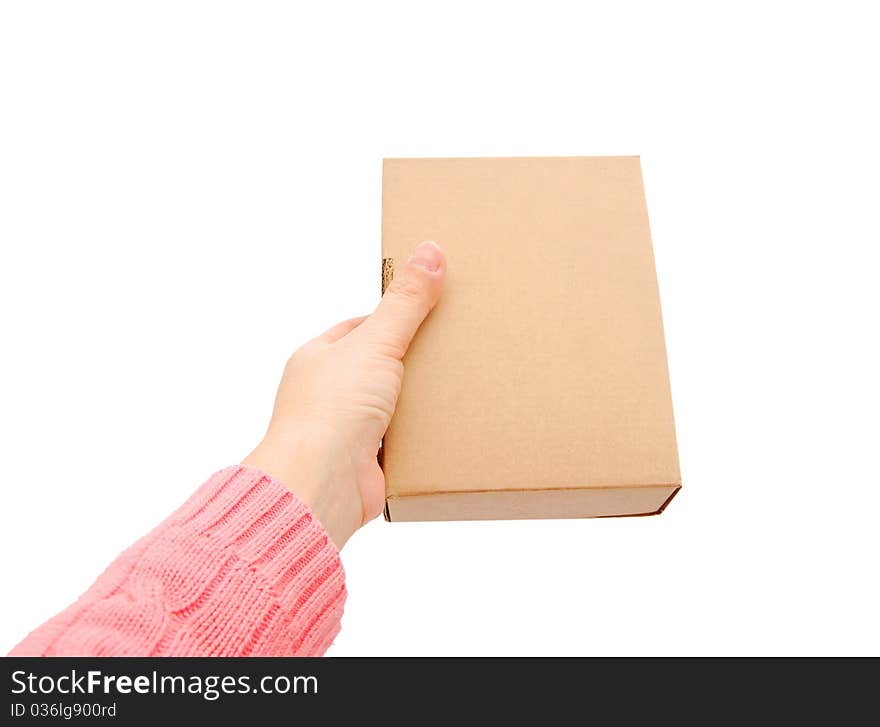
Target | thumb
(408,299)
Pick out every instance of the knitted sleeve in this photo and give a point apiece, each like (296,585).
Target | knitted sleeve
(242,568)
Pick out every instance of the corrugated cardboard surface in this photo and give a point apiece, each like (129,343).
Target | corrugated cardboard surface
(542,370)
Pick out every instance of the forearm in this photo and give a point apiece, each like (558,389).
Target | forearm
(247,566)
(242,568)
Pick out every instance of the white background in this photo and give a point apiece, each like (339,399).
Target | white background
(188,191)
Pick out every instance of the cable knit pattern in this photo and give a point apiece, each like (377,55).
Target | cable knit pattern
(242,568)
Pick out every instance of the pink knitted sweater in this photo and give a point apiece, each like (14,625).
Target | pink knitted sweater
(243,568)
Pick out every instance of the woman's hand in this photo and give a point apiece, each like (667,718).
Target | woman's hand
(336,398)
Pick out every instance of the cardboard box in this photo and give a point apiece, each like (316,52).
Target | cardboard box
(538,386)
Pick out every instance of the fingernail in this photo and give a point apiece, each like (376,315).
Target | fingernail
(428,256)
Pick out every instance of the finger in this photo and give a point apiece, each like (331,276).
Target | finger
(341,329)
(408,299)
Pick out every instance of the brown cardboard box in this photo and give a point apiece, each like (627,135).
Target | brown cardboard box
(538,386)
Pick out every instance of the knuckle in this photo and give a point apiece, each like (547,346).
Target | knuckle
(391,348)
(302,354)
(393,368)
(408,288)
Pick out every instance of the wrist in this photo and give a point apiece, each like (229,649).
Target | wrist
(316,475)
